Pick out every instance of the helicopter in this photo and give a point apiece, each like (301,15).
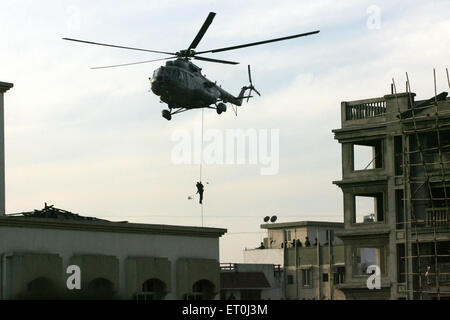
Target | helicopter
(180,83)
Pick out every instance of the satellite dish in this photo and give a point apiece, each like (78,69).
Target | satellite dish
(273,219)
(266,219)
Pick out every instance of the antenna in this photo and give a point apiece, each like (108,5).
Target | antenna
(448,79)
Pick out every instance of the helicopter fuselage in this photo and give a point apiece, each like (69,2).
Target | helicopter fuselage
(180,84)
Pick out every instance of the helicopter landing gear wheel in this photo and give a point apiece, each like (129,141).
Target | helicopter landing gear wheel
(166,115)
(221,107)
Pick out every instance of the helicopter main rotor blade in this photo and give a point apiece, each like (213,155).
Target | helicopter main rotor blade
(249,75)
(114,46)
(202,31)
(215,60)
(133,63)
(258,43)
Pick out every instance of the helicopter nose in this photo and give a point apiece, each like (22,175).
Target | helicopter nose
(159,80)
(158,84)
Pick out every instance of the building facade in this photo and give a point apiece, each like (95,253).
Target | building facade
(117,260)
(396,201)
(312,266)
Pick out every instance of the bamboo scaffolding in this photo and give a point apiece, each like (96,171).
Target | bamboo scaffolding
(425,291)
(427,240)
(408,171)
(422,221)
(426,256)
(429,176)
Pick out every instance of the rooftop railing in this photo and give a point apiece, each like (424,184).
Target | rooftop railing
(361,109)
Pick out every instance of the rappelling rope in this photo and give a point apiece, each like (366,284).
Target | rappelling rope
(201,164)
(201,149)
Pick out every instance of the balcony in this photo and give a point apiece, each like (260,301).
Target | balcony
(361,109)
(437,217)
(363,112)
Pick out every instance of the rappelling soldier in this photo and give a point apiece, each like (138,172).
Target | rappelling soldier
(200,191)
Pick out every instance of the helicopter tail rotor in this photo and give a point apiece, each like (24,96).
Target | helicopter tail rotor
(251,87)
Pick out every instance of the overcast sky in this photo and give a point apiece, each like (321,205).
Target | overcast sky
(94,142)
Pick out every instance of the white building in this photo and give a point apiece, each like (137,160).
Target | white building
(117,260)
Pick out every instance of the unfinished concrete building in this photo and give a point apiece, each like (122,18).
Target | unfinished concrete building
(405,180)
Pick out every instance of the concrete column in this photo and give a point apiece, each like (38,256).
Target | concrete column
(4,86)
(398,101)
(347,159)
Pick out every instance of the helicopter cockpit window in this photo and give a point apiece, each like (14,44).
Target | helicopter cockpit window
(158,72)
(181,75)
(177,74)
